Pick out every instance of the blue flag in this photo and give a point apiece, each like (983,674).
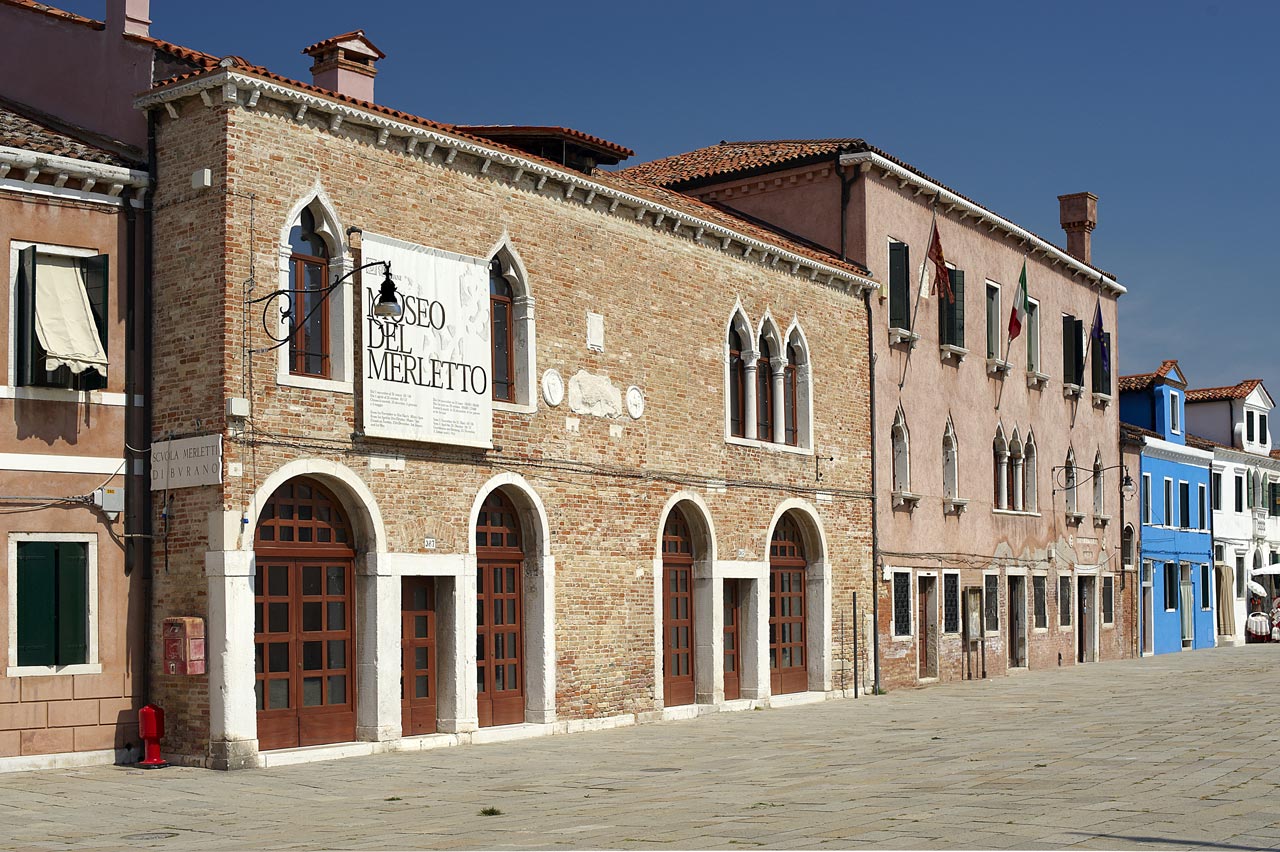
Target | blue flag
(1095,334)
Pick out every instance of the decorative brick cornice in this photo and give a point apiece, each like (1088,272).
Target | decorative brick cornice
(429,144)
(949,202)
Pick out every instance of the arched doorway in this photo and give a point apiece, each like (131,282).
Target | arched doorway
(788,667)
(499,613)
(677,611)
(303,609)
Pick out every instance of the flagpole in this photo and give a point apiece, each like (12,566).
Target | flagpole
(1009,339)
(915,308)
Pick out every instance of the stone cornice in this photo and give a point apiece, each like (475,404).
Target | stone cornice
(968,209)
(1157,448)
(438,147)
(21,170)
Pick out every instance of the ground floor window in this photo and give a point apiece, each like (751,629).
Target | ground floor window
(1108,600)
(52,603)
(951,603)
(901,603)
(1206,588)
(1064,601)
(1040,603)
(991,592)
(1240,577)
(1171,586)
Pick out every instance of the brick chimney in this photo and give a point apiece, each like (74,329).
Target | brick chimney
(1078,213)
(131,17)
(345,64)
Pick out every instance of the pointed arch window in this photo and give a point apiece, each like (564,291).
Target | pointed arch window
(791,396)
(511,333)
(309,344)
(901,440)
(1016,473)
(950,463)
(1127,554)
(1000,470)
(1029,490)
(764,390)
(1099,492)
(1070,479)
(737,385)
(502,334)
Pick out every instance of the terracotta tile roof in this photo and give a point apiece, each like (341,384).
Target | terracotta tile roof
(1205,444)
(716,162)
(1237,391)
(197,58)
(52,12)
(1275,454)
(501,131)
(23,128)
(1130,432)
(354,34)
(615,180)
(1142,381)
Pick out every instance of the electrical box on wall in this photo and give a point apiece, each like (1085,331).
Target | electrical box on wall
(183,645)
(110,499)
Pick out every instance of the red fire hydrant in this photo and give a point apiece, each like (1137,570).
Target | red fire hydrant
(151,729)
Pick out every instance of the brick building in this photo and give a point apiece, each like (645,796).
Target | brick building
(71,626)
(576,532)
(997,458)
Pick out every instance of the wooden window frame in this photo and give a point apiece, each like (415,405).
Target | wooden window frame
(92,664)
(300,340)
(508,342)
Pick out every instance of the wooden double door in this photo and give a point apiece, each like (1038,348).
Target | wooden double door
(788,666)
(303,620)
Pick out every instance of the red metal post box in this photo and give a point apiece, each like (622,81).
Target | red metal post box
(183,646)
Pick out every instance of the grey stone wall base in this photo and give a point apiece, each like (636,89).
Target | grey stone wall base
(233,754)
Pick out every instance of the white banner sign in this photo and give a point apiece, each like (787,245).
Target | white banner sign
(427,374)
(186,462)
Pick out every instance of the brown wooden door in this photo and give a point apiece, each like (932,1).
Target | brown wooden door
(732,637)
(499,614)
(418,631)
(922,625)
(303,620)
(788,669)
(677,611)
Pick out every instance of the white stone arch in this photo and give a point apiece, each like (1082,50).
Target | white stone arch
(900,443)
(1016,471)
(356,498)
(1030,484)
(340,303)
(737,321)
(818,587)
(538,593)
(1071,479)
(524,326)
(795,337)
(1099,486)
(950,461)
(706,597)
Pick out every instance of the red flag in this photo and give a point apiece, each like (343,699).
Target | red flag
(941,278)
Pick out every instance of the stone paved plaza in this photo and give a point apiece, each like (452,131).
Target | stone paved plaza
(1177,751)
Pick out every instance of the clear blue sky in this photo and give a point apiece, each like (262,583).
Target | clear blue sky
(1164,110)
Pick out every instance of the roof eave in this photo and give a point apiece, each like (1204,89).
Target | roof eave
(943,194)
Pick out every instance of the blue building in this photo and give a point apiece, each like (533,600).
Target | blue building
(1176,594)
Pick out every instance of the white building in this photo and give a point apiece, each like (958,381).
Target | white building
(1232,422)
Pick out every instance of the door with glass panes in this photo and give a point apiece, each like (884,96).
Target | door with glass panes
(418,651)
(788,668)
(303,636)
(677,611)
(499,614)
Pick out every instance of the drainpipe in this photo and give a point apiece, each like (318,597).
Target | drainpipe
(145,386)
(846,186)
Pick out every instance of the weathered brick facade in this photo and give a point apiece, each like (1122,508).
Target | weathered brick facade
(604,483)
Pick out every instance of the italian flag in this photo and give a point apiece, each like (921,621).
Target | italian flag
(1018,316)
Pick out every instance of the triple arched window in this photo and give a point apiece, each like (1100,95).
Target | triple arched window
(1013,463)
(767,383)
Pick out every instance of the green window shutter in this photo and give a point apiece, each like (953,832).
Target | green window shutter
(1068,350)
(944,321)
(37,603)
(73,603)
(26,349)
(96,277)
(957,310)
(1095,356)
(1077,337)
(899,289)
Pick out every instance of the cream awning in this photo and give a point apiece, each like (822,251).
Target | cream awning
(64,318)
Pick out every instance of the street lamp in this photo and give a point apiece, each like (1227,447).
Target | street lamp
(387,306)
(1060,481)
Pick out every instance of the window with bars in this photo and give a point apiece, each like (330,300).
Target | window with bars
(1040,600)
(991,602)
(1064,601)
(1108,600)
(901,603)
(950,603)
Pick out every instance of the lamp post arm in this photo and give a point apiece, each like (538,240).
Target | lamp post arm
(284,301)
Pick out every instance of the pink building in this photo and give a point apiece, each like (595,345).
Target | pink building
(997,475)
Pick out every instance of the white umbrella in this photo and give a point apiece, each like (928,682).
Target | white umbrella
(1257,589)
(1270,570)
